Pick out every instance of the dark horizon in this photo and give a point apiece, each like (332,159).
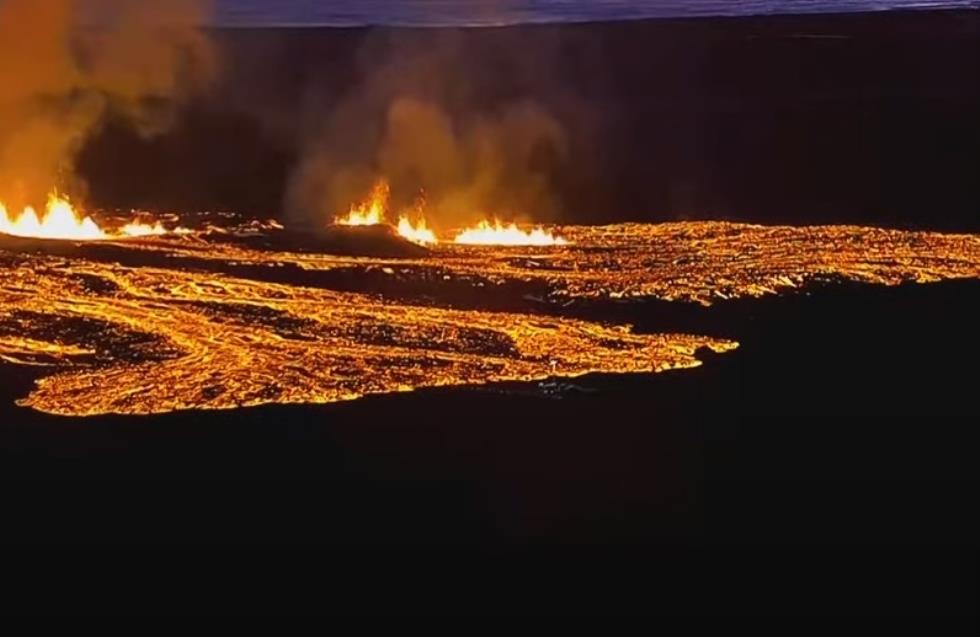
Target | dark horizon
(741,120)
(499,12)
(434,13)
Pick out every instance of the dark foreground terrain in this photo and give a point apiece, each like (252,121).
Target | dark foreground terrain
(840,437)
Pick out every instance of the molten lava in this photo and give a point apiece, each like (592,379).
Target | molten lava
(123,331)
(499,235)
(62,222)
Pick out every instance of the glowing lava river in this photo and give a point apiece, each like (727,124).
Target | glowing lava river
(238,315)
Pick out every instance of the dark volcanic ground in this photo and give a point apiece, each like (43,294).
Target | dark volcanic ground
(845,420)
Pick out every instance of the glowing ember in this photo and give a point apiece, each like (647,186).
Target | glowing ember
(498,234)
(61,221)
(419,233)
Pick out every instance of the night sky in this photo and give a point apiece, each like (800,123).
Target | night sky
(434,12)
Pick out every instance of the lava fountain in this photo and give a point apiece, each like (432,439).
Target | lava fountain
(418,232)
(486,233)
(370,212)
(62,222)
(373,211)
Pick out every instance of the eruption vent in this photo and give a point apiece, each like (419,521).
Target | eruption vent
(498,234)
(370,212)
(419,233)
(374,212)
(61,221)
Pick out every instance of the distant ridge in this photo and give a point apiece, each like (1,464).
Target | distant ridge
(501,12)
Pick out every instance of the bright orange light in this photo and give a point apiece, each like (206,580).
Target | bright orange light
(374,211)
(497,234)
(134,229)
(61,221)
(418,233)
(371,212)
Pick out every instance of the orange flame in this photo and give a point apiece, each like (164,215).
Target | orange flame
(497,234)
(374,211)
(371,212)
(61,221)
(419,233)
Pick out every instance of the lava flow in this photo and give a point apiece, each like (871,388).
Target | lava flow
(62,222)
(142,340)
(215,321)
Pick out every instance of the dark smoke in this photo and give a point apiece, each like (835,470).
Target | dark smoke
(419,119)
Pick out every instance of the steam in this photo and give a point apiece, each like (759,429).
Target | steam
(66,64)
(415,122)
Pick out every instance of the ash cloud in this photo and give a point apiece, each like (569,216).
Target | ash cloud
(67,64)
(423,118)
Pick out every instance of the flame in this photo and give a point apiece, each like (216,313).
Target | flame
(497,234)
(142,230)
(370,212)
(61,221)
(419,233)
(374,212)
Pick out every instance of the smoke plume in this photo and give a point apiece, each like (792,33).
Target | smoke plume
(419,120)
(66,64)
